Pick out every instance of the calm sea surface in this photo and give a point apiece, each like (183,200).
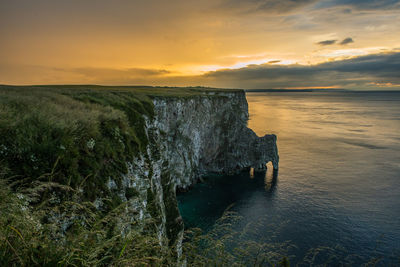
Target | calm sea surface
(338,185)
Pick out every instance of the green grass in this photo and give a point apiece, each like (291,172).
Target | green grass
(150,91)
(79,133)
(27,240)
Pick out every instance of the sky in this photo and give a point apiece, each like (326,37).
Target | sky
(250,44)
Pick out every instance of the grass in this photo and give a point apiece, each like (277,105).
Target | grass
(150,91)
(27,240)
(89,131)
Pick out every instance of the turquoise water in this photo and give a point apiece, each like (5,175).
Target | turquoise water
(339,178)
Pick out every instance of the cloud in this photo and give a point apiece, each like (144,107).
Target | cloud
(347,40)
(359,73)
(361,4)
(41,75)
(66,37)
(372,4)
(109,72)
(377,65)
(327,42)
(266,6)
(364,72)
(273,61)
(116,76)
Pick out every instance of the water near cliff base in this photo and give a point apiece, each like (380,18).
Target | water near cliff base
(339,178)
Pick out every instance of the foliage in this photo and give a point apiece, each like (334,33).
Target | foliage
(88,132)
(225,246)
(28,236)
(88,136)
(27,239)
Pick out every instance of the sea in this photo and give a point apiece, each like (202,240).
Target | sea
(336,197)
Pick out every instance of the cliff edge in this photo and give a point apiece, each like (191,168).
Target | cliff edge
(127,147)
(190,137)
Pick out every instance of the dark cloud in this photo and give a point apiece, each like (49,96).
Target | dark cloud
(361,4)
(267,6)
(357,72)
(347,40)
(377,65)
(273,61)
(372,4)
(327,42)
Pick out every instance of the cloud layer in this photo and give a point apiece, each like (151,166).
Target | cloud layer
(364,72)
(375,71)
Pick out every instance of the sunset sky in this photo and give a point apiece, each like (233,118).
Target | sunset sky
(222,43)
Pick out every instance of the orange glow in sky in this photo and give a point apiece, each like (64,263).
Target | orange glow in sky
(183,43)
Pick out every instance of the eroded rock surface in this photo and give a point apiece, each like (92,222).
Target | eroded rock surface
(190,137)
(209,134)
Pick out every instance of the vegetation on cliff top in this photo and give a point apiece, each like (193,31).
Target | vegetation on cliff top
(87,132)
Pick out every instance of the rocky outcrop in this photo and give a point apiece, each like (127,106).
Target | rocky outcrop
(190,137)
(209,134)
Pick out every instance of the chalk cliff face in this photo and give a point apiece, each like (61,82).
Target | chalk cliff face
(209,134)
(190,137)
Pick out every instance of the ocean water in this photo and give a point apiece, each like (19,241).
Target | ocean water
(338,186)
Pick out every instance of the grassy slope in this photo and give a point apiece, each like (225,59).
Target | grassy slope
(79,133)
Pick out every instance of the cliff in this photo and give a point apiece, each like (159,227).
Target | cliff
(190,137)
(142,144)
